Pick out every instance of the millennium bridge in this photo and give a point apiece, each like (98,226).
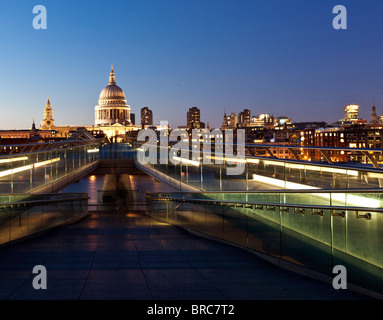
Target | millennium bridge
(298,216)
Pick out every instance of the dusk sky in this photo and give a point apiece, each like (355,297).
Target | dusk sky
(278,57)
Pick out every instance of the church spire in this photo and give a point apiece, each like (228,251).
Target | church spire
(225,123)
(374,117)
(112,78)
(33,126)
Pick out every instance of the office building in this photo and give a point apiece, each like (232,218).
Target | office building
(146,117)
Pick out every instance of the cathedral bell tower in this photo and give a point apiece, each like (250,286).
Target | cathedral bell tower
(48,121)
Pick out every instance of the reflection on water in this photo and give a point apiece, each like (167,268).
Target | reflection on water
(89,184)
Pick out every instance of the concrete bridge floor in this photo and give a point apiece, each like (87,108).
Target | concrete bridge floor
(132,256)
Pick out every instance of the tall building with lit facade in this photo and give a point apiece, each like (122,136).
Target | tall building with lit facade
(282,122)
(351,113)
(193,118)
(146,116)
(244,118)
(324,137)
(233,120)
(263,120)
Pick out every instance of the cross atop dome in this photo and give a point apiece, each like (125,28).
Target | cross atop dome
(112,78)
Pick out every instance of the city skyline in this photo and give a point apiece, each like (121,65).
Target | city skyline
(236,112)
(191,151)
(176,55)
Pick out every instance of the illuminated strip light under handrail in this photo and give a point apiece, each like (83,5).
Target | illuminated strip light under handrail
(187,161)
(93,150)
(13,159)
(197,163)
(39,164)
(355,200)
(244,160)
(27,167)
(313,168)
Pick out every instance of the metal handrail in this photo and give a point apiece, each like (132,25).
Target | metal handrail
(356,190)
(43,194)
(71,144)
(34,202)
(52,142)
(270,204)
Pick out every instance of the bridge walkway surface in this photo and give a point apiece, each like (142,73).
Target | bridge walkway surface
(127,255)
(132,256)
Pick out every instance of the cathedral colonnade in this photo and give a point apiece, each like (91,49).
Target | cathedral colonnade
(112,114)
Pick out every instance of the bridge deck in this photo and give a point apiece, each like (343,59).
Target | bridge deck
(131,256)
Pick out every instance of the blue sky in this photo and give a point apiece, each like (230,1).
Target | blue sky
(279,57)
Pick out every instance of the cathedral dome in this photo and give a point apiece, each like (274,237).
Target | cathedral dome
(112,91)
